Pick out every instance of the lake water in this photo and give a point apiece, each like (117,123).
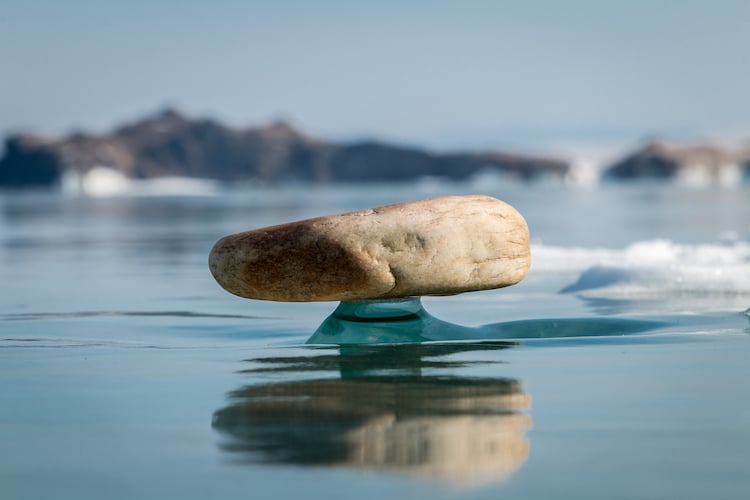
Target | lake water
(617,369)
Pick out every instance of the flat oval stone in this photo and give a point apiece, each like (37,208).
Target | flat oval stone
(438,246)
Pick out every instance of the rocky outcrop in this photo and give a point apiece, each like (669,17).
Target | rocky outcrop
(29,161)
(170,144)
(691,164)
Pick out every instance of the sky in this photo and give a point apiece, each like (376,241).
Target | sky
(526,74)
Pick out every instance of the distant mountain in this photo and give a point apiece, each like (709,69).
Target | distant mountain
(170,144)
(691,164)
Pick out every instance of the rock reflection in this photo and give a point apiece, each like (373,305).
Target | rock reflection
(383,417)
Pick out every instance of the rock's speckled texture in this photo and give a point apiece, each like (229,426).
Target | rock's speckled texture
(436,246)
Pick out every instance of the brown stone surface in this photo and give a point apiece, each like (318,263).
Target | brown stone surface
(436,246)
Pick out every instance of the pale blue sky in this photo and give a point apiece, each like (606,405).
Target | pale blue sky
(444,74)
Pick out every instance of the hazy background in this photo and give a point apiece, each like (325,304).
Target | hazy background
(581,77)
(121,357)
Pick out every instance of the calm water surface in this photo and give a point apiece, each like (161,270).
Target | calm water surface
(617,369)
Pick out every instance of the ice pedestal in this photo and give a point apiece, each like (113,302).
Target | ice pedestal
(402,320)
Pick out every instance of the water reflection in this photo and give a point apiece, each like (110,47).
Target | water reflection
(367,360)
(380,412)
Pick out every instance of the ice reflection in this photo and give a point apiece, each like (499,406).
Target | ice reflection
(381,413)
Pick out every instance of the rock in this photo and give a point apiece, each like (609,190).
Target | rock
(701,164)
(29,162)
(170,144)
(437,246)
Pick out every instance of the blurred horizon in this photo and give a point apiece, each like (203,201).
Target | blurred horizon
(582,78)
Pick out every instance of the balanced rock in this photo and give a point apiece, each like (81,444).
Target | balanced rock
(438,246)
